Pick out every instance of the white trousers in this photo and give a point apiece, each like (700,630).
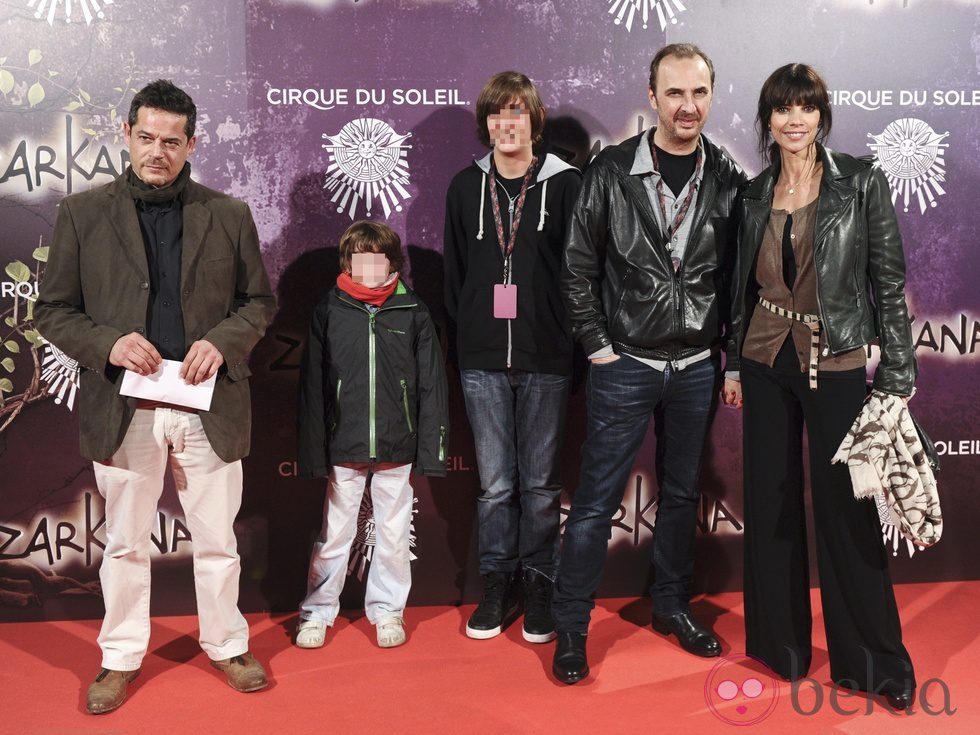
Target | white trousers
(390,574)
(210,492)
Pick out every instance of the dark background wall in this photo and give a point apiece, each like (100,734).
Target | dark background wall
(292,93)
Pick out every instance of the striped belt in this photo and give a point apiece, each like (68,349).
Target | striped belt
(813,322)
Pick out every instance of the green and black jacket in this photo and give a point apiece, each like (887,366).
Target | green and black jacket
(372,386)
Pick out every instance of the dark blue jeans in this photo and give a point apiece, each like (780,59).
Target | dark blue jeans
(517,420)
(622,396)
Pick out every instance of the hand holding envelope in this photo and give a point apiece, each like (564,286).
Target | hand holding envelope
(167,386)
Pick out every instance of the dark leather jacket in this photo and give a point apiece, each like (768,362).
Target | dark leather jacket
(618,282)
(860,265)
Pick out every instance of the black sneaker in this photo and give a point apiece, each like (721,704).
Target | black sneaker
(496,609)
(539,627)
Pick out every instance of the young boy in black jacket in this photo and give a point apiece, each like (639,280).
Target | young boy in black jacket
(372,402)
(506,219)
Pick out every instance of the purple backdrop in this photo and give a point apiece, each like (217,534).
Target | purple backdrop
(320,111)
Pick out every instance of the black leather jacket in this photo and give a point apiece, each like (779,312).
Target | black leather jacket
(618,282)
(860,265)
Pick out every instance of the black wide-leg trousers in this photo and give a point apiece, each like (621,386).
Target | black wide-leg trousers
(864,635)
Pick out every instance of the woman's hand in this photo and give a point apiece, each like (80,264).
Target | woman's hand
(731,394)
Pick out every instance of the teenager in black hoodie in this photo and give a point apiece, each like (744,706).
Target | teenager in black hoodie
(514,346)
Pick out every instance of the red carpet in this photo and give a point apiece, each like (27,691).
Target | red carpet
(441,682)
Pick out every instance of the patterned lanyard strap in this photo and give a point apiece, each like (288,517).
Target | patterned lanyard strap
(686,204)
(507,246)
(813,322)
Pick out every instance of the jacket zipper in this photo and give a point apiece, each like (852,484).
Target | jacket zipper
(442,443)
(372,389)
(675,297)
(823,327)
(372,372)
(510,224)
(408,418)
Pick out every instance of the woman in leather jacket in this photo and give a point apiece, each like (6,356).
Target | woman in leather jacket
(820,274)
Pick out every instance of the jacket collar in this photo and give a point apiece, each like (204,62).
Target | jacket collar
(626,152)
(835,195)
(122,215)
(551,165)
(836,167)
(623,157)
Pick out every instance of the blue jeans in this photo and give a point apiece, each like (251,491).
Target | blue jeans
(621,397)
(517,419)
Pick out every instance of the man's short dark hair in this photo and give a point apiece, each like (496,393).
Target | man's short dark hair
(167,96)
(680,51)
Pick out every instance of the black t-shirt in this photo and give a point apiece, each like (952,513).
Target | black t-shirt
(676,170)
(513,186)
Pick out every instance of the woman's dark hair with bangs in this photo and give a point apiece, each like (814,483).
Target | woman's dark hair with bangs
(793,84)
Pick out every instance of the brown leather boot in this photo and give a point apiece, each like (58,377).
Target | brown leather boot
(108,691)
(244,673)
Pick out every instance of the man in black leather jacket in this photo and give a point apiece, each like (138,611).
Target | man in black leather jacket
(648,261)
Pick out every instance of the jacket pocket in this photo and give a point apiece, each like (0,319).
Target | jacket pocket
(622,295)
(408,415)
(336,408)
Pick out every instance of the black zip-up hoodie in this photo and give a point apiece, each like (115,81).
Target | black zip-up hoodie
(539,339)
(372,386)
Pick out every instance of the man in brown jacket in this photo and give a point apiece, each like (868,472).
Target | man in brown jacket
(156,267)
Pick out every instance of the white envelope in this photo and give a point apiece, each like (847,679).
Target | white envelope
(166,386)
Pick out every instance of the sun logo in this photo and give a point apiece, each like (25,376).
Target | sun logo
(368,163)
(626,11)
(88,10)
(362,550)
(891,536)
(60,372)
(912,156)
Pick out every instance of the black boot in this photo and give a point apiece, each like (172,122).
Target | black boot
(497,608)
(570,663)
(692,636)
(538,624)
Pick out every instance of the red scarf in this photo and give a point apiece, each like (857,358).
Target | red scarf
(375,296)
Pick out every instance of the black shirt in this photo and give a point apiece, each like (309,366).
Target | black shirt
(676,170)
(162,225)
(513,189)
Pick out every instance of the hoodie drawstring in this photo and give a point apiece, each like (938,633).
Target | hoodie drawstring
(483,195)
(544,193)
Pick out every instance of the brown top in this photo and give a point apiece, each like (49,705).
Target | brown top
(767,331)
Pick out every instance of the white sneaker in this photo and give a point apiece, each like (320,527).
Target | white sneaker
(391,632)
(310,633)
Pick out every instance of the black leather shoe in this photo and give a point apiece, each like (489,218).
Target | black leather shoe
(900,700)
(570,664)
(692,637)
